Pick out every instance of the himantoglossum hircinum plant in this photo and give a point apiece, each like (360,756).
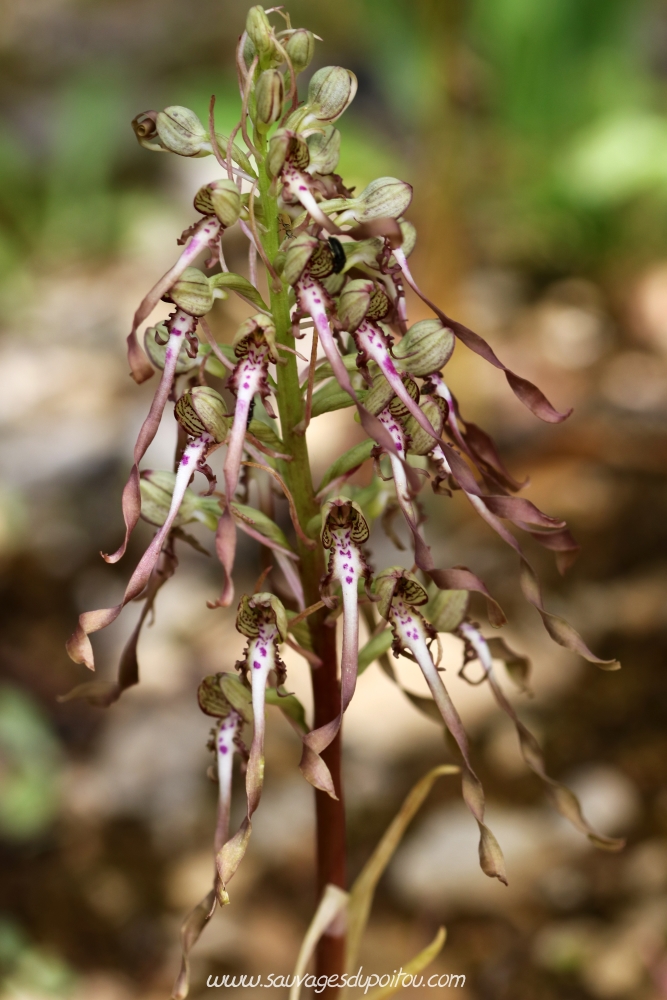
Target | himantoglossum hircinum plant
(335,266)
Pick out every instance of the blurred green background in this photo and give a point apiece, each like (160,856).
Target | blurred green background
(535,135)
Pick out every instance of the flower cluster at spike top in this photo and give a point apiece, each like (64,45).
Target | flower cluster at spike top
(338,274)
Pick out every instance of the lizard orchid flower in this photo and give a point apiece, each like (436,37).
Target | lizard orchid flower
(400,594)
(344,531)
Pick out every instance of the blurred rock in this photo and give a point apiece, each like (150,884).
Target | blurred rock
(636,381)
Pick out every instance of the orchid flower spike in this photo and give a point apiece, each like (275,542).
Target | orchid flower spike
(344,531)
(400,593)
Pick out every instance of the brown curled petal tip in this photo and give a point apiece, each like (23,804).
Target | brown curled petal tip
(385,228)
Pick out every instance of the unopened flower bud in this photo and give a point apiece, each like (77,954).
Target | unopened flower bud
(385,197)
(398,582)
(299,252)
(421,442)
(300,47)
(324,149)
(269,98)
(157,488)
(157,348)
(260,34)
(202,410)
(354,302)
(192,292)
(286,145)
(220,198)
(330,91)
(181,132)
(256,329)
(248,51)
(381,395)
(397,407)
(426,348)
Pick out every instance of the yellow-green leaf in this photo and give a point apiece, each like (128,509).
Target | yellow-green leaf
(351,460)
(373,649)
(363,890)
(415,965)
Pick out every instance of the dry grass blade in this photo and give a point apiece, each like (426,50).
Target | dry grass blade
(333,901)
(419,962)
(363,890)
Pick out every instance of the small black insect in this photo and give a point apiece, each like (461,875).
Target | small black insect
(251,412)
(338,254)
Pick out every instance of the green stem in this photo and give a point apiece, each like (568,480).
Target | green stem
(330,814)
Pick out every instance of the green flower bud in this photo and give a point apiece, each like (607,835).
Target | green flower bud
(381,395)
(330,91)
(181,132)
(252,611)
(260,40)
(192,292)
(362,299)
(324,149)
(256,329)
(299,252)
(286,145)
(398,582)
(426,348)
(397,407)
(354,302)
(249,52)
(385,197)
(157,488)
(421,442)
(157,351)
(259,31)
(300,47)
(333,284)
(220,198)
(202,410)
(363,254)
(269,98)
